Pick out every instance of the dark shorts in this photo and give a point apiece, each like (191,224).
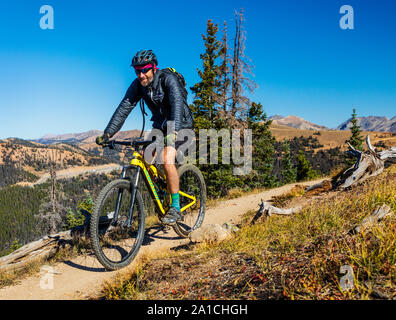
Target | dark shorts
(182,145)
(183,140)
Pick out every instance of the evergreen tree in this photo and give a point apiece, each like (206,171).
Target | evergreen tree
(304,168)
(356,140)
(288,173)
(205,108)
(205,92)
(263,148)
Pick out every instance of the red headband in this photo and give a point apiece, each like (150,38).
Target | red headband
(146,66)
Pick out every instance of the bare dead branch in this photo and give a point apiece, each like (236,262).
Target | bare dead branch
(269,210)
(377,216)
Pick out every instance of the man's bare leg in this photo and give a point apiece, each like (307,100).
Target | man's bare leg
(169,156)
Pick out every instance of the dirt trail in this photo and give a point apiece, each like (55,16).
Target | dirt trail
(84,276)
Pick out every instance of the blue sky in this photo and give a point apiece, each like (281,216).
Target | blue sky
(72,78)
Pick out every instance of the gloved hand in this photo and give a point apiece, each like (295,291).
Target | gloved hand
(101,140)
(170,139)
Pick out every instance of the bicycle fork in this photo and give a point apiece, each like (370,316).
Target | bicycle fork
(134,185)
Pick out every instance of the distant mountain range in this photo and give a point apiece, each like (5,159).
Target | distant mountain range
(68,137)
(87,139)
(372,123)
(296,122)
(83,138)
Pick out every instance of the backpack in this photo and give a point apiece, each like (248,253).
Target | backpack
(178,74)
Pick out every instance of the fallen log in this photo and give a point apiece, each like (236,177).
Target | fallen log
(368,164)
(378,215)
(44,248)
(34,251)
(269,210)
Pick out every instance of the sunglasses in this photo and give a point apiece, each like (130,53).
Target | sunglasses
(144,71)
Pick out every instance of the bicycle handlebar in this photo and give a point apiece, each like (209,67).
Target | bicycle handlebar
(133,143)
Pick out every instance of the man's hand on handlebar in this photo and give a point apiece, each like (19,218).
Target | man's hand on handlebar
(101,140)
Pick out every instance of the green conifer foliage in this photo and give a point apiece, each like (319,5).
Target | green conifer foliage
(289,173)
(263,148)
(218,177)
(356,140)
(304,168)
(205,91)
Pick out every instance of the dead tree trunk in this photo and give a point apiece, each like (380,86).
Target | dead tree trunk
(367,165)
(47,247)
(378,215)
(268,210)
(241,69)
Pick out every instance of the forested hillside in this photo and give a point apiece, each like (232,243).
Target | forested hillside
(20,206)
(25,161)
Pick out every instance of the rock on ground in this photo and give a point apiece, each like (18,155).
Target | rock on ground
(210,233)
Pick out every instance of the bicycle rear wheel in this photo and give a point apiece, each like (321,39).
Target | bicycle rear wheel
(191,183)
(115,244)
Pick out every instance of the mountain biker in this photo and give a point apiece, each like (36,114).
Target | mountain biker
(167,100)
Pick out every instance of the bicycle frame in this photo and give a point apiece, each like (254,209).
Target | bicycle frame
(142,166)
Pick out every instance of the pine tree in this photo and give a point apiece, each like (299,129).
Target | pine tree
(205,108)
(304,168)
(205,92)
(356,140)
(219,103)
(288,173)
(263,147)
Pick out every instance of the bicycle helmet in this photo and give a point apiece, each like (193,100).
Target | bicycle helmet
(144,57)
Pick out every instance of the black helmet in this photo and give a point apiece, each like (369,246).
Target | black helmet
(144,57)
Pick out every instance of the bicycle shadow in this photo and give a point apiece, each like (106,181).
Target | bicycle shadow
(152,234)
(159,232)
(84,267)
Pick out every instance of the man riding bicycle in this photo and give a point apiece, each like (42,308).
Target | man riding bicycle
(167,100)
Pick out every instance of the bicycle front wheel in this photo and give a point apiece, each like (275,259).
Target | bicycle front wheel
(192,188)
(114,241)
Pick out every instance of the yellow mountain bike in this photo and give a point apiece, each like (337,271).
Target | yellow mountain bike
(117,225)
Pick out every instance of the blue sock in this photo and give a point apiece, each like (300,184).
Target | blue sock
(175,201)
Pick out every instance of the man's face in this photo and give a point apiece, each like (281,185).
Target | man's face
(145,78)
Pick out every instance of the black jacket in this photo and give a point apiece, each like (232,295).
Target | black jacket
(166,99)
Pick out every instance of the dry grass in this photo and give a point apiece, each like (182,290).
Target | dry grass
(285,257)
(296,191)
(9,278)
